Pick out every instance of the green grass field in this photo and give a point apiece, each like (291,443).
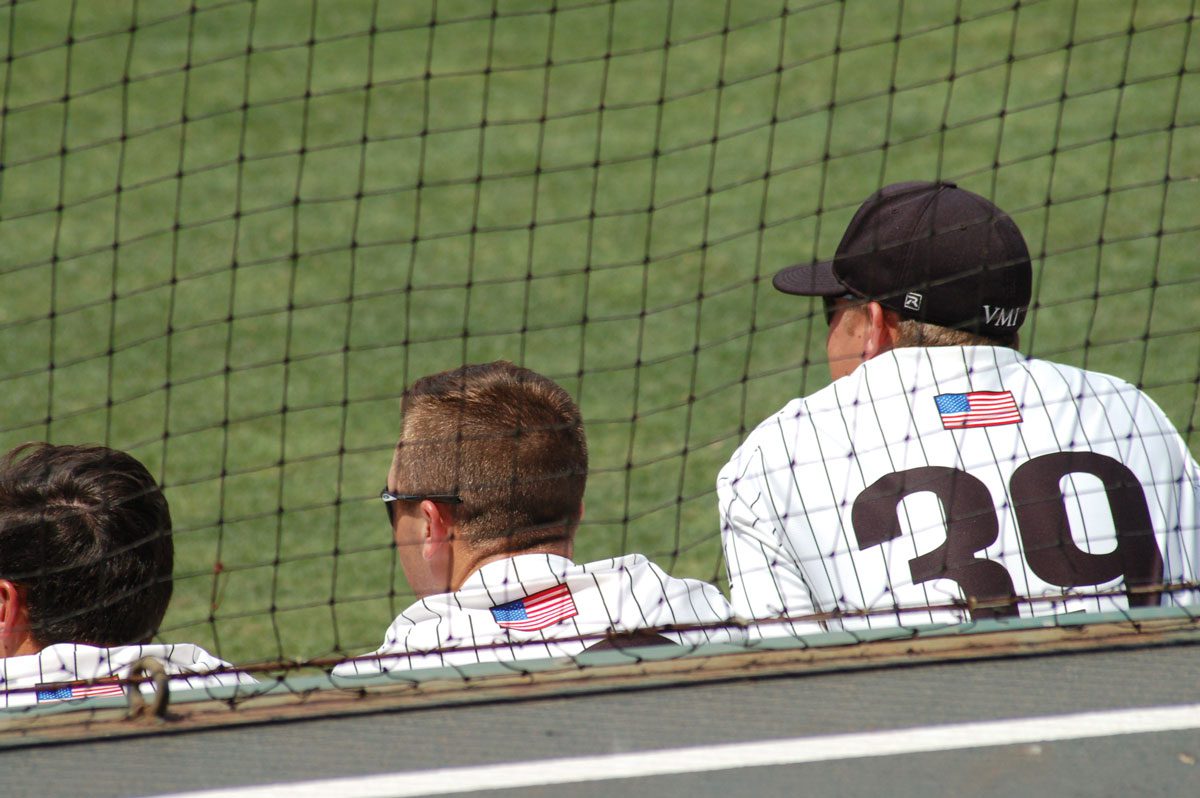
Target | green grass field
(230,236)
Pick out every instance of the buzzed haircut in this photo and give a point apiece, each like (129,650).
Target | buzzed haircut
(508,441)
(919,333)
(85,532)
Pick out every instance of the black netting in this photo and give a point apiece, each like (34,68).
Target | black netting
(234,231)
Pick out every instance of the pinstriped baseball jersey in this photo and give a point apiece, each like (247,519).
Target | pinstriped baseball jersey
(483,621)
(190,667)
(930,476)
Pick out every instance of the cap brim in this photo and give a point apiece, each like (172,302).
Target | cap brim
(809,279)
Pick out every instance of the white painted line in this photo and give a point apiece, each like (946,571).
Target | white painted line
(797,750)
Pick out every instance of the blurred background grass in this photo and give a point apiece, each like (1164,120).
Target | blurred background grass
(233,231)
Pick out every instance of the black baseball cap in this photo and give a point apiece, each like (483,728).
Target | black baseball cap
(929,251)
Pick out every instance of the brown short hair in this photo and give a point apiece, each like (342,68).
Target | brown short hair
(86,532)
(508,441)
(919,333)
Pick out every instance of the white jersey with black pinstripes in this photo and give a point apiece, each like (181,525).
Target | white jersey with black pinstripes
(863,497)
(45,676)
(623,594)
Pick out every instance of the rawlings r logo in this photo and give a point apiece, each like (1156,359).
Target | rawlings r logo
(912,301)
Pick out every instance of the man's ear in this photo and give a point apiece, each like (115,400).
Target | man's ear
(882,330)
(14,619)
(439,528)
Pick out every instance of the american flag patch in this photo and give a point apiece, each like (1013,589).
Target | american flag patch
(542,609)
(977,409)
(66,692)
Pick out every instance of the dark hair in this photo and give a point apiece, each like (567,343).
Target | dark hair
(508,441)
(85,532)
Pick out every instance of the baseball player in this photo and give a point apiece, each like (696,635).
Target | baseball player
(484,498)
(85,577)
(942,475)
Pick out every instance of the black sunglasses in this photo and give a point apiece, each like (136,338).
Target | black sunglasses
(390,499)
(831,305)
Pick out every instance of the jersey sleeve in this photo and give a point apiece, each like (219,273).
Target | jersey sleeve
(1179,490)
(701,603)
(649,597)
(765,579)
(1189,522)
